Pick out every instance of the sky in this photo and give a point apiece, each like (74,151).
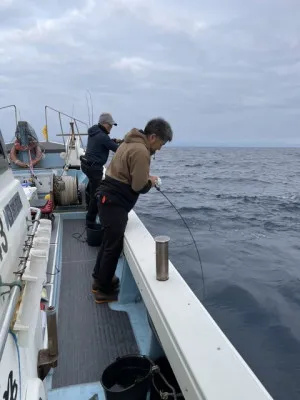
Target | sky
(222,72)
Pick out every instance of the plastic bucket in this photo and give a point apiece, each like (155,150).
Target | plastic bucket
(94,234)
(128,378)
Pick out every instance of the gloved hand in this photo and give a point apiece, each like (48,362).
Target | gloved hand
(118,141)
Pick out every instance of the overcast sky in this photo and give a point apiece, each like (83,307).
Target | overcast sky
(221,71)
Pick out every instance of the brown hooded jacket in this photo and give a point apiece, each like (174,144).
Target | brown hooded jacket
(128,173)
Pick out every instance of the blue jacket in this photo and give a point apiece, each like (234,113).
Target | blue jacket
(98,145)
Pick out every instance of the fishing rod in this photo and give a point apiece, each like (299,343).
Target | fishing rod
(157,186)
(92,106)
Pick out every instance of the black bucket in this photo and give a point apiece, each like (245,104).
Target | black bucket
(128,378)
(94,234)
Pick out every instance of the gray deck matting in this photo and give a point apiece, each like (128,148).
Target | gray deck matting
(91,336)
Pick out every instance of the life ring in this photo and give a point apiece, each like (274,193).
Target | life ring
(18,146)
(32,146)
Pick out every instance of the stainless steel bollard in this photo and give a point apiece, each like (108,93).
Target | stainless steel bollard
(52,331)
(162,257)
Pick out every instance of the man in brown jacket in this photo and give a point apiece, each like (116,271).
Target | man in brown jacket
(127,176)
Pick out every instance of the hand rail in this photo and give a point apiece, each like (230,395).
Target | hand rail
(66,115)
(9,310)
(16,116)
(60,113)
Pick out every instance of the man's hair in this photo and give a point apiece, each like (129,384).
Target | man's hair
(159,127)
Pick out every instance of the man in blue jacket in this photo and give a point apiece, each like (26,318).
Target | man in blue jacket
(98,145)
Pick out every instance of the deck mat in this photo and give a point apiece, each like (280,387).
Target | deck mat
(91,335)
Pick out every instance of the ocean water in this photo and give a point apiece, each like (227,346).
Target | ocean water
(243,208)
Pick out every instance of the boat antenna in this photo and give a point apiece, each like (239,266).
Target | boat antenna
(183,220)
(88,108)
(92,106)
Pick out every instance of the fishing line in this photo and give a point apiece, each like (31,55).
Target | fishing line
(202,272)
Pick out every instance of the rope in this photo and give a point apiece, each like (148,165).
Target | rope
(155,370)
(31,167)
(69,195)
(65,190)
(78,236)
(30,163)
(55,273)
(164,395)
(19,361)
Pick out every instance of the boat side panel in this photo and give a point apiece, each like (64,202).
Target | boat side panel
(130,301)
(205,363)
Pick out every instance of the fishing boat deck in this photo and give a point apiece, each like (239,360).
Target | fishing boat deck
(90,335)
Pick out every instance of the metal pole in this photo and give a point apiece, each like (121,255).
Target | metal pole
(52,331)
(46,120)
(52,334)
(69,116)
(7,316)
(79,134)
(61,128)
(72,141)
(162,257)
(16,116)
(9,310)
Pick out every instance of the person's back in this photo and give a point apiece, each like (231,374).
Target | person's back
(98,145)
(128,173)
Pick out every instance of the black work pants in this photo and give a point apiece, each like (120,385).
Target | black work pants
(113,219)
(94,173)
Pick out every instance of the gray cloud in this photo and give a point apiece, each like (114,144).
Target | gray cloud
(221,72)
